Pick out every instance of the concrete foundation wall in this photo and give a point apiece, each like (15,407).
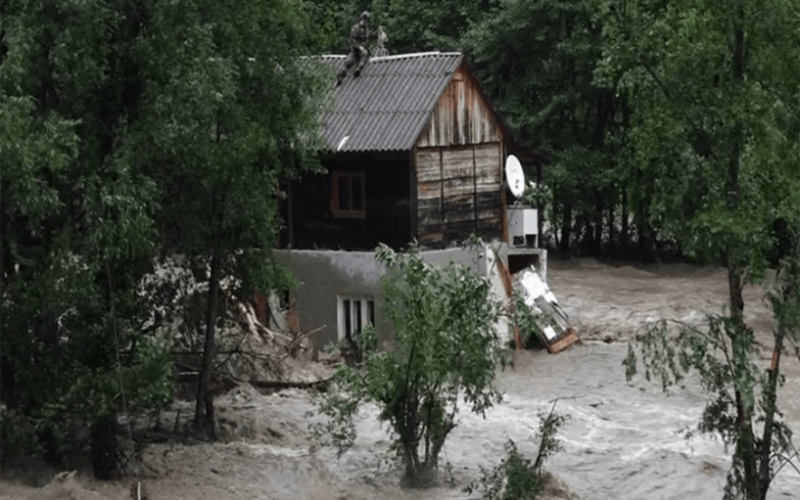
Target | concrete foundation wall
(326,274)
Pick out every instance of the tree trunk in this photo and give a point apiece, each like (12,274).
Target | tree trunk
(642,240)
(612,224)
(555,229)
(624,235)
(745,446)
(204,420)
(790,290)
(770,407)
(735,293)
(626,125)
(414,467)
(104,446)
(598,223)
(540,209)
(566,228)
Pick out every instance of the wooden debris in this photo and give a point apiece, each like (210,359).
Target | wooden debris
(563,342)
(505,275)
(555,330)
(138,491)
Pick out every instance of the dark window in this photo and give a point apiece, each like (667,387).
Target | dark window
(344,193)
(371,311)
(349,194)
(355,314)
(357,193)
(347,317)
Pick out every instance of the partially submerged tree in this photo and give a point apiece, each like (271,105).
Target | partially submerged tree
(230,114)
(445,349)
(715,138)
(728,370)
(117,120)
(76,227)
(516,477)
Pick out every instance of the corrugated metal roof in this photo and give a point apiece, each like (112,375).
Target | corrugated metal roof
(386,107)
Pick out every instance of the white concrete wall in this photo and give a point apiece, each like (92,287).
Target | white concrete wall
(324,274)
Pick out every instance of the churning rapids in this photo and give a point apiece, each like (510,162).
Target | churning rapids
(623,440)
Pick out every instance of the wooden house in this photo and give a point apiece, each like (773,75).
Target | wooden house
(415,152)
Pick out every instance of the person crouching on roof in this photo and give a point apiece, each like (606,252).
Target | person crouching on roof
(359,53)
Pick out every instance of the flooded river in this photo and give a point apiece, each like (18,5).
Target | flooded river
(623,440)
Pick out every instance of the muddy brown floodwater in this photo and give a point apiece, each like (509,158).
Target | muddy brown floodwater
(623,440)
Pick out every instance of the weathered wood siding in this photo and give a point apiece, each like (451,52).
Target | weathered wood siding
(458,164)
(429,196)
(461,117)
(488,190)
(458,193)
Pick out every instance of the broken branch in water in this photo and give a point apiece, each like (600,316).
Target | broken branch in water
(296,341)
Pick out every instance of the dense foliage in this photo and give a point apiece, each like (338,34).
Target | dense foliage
(672,130)
(135,130)
(446,351)
(131,131)
(715,140)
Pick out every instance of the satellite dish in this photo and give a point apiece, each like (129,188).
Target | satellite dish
(515,176)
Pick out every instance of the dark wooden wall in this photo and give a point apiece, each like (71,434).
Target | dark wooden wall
(313,224)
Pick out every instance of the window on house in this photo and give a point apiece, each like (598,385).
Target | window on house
(354,314)
(348,196)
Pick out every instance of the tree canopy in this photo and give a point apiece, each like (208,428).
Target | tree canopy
(673,132)
(131,131)
(135,130)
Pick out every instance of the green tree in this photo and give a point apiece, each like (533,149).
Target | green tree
(537,59)
(422,25)
(132,130)
(76,224)
(445,348)
(714,136)
(516,477)
(412,25)
(229,114)
(330,23)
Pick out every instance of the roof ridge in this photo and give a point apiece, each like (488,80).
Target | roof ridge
(395,56)
(414,54)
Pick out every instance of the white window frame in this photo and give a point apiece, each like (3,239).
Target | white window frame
(363,312)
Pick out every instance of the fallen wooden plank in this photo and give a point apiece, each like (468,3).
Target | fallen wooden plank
(562,343)
(321,385)
(508,285)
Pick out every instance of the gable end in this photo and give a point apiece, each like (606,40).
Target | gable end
(462,116)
